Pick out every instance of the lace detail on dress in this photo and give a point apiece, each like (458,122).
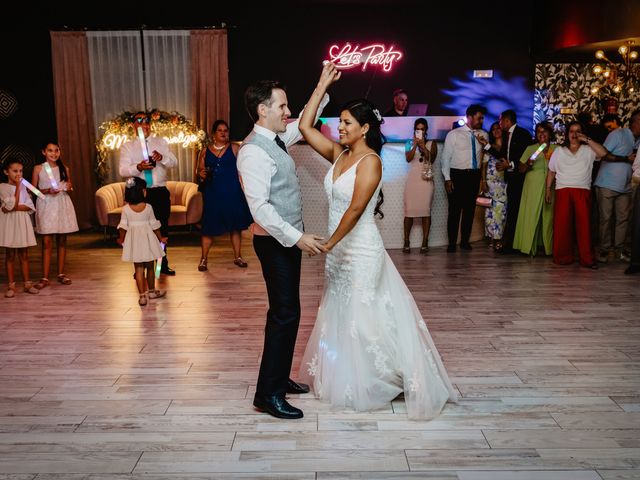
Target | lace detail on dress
(348,395)
(381,358)
(414,382)
(313,366)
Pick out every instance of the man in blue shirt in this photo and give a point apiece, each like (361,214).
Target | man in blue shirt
(613,190)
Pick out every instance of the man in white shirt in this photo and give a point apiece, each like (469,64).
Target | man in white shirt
(270,184)
(461,161)
(154,171)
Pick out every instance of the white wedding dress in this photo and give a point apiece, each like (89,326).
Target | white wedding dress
(369,342)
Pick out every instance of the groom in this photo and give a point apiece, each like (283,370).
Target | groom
(270,183)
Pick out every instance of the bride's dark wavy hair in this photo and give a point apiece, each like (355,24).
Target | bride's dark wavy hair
(366,112)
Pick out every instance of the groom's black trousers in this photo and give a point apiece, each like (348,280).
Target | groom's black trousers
(281,271)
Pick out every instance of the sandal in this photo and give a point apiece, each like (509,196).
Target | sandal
(43,283)
(156,293)
(424,250)
(406,248)
(498,246)
(29,288)
(202,266)
(11,290)
(142,301)
(63,279)
(240,262)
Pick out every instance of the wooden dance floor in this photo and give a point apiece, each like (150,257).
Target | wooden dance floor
(94,387)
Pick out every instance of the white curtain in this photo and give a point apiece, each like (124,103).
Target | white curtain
(126,76)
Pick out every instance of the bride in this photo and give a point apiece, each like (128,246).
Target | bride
(369,342)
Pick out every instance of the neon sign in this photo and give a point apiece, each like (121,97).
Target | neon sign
(113,141)
(376,54)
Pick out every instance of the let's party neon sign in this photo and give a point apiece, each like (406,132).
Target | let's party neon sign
(375,55)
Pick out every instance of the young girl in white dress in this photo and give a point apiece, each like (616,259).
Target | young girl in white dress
(16,228)
(140,238)
(55,215)
(370,342)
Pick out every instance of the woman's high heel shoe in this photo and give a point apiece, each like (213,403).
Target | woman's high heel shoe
(240,262)
(202,266)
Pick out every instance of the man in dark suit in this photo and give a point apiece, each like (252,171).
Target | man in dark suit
(515,140)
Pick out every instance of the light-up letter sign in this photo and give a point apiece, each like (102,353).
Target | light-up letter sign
(374,55)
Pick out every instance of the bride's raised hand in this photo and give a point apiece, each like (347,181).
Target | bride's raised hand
(330,74)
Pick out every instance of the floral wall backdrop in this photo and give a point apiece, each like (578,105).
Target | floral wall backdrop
(568,86)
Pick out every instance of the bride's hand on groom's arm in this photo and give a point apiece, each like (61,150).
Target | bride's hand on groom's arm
(312,244)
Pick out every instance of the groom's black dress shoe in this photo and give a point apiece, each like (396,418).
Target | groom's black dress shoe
(293,387)
(276,406)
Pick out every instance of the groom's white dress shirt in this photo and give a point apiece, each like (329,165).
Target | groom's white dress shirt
(256,168)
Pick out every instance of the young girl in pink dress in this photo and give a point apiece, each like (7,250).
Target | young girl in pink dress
(16,229)
(55,215)
(140,238)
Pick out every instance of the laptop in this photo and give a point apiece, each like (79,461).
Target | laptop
(417,109)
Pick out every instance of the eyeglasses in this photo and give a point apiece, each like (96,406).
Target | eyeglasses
(141,120)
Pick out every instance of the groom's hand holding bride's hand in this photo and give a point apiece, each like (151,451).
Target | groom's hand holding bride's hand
(312,244)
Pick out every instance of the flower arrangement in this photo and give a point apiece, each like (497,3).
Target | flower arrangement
(172,126)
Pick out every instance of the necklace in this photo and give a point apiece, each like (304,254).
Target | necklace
(217,147)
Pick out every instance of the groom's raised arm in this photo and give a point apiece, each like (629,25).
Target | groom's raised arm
(293,135)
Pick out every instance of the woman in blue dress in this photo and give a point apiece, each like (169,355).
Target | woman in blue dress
(225,207)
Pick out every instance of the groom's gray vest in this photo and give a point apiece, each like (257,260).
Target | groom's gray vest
(285,193)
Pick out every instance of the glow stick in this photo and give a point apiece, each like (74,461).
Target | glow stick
(148,176)
(54,184)
(538,152)
(32,188)
(143,144)
(159,262)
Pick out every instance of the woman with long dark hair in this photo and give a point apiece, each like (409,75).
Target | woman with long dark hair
(369,343)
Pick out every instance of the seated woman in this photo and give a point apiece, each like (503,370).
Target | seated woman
(535,217)
(225,208)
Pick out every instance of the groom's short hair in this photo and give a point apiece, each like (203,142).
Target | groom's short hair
(257,93)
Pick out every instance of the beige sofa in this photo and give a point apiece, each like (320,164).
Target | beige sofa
(186,204)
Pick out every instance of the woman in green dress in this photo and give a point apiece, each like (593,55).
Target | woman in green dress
(535,217)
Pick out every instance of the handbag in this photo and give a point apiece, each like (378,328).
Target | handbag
(427,170)
(482,201)
(427,166)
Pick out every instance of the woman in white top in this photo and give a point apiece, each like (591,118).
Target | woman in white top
(370,342)
(570,167)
